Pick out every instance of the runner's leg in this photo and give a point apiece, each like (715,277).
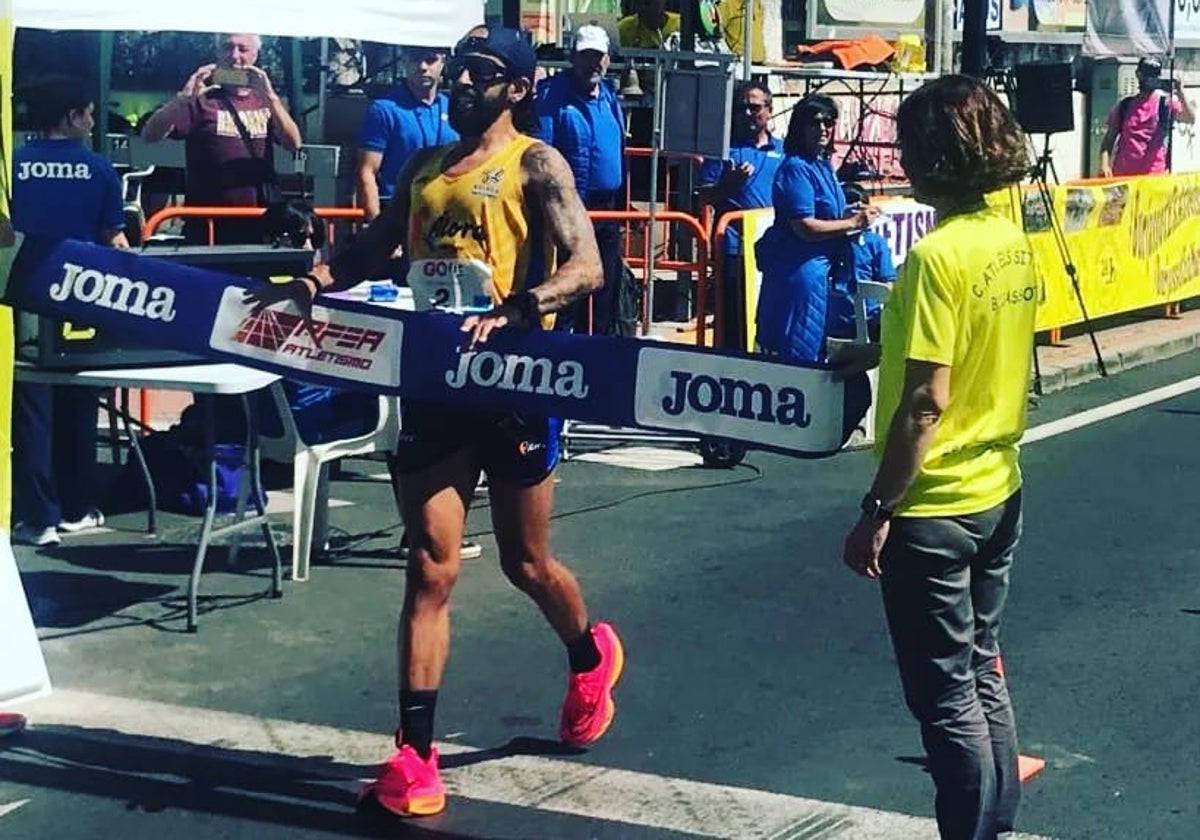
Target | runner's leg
(521,518)
(435,503)
(435,499)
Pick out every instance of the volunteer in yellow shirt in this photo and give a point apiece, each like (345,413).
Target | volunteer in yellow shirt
(650,27)
(941,520)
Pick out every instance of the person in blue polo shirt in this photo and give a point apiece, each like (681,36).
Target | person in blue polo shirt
(61,190)
(580,116)
(412,116)
(742,182)
(870,258)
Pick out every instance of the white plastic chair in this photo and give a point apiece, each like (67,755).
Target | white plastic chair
(868,290)
(308,458)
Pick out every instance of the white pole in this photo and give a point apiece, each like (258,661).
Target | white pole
(747,38)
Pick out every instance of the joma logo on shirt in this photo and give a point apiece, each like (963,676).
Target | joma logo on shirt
(706,394)
(112,291)
(524,374)
(58,170)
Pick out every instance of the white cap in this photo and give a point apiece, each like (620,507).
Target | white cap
(591,37)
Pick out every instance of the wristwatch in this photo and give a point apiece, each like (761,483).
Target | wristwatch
(875,508)
(525,304)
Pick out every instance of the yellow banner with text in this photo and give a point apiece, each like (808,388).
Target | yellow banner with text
(1134,244)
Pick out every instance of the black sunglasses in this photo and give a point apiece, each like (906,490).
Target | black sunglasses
(753,107)
(483,71)
(828,122)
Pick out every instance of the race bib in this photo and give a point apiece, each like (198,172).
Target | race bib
(451,285)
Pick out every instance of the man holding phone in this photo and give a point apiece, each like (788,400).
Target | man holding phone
(1140,125)
(230,118)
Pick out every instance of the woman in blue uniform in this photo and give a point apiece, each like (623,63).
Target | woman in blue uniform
(811,230)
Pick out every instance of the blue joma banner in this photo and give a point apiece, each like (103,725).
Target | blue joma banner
(621,382)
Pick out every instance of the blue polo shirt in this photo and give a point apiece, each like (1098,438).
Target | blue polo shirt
(63,190)
(808,188)
(870,259)
(756,192)
(398,125)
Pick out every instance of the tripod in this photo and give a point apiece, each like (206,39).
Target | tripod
(1045,163)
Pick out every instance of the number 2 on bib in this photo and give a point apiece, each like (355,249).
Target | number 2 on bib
(451,285)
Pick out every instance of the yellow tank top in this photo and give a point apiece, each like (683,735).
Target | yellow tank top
(479,215)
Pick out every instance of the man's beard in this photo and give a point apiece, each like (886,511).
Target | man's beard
(471,114)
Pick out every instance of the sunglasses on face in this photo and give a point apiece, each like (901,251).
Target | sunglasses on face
(753,107)
(483,71)
(827,122)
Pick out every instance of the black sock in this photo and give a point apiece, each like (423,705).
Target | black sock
(416,719)
(582,652)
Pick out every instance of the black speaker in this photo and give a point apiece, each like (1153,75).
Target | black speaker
(1043,93)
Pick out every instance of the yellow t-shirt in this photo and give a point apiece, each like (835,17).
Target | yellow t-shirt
(481,215)
(633,33)
(966,298)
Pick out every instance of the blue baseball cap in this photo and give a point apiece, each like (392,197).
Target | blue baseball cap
(509,45)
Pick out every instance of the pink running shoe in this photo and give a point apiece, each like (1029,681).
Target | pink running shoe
(589,708)
(409,786)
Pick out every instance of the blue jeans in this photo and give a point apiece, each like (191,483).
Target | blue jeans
(944,584)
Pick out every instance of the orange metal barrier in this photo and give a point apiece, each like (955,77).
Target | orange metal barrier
(331,215)
(719,269)
(698,265)
(665,198)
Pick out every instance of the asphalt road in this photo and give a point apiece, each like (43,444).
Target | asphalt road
(760,697)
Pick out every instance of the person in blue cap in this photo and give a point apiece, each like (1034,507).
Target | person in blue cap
(582,118)
(474,218)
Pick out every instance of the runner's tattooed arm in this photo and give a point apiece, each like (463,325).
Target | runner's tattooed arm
(550,190)
(378,241)
(352,264)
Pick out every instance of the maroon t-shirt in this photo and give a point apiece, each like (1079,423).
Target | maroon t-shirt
(221,172)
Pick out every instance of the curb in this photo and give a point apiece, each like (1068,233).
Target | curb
(1063,376)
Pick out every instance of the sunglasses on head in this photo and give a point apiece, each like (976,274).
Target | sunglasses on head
(483,71)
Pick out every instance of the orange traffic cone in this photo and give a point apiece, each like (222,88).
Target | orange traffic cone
(1028,766)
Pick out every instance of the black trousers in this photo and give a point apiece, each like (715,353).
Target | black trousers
(944,584)
(54,453)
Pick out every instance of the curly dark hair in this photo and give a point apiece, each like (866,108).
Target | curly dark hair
(958,140)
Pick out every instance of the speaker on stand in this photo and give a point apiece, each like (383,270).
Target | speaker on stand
(1044,97)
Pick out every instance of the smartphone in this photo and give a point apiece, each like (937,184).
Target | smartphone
(233,77)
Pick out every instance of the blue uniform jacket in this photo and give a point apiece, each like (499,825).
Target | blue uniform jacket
(565,122)
(793,302)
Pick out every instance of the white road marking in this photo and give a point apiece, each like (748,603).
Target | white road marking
(1113,409)
(284,501)
(650,458)
(12,806)
(546,784)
